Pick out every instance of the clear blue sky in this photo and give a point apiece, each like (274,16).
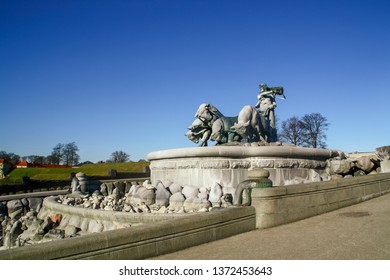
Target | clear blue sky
(129,75)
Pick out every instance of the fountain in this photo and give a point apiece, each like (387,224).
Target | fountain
(247,141)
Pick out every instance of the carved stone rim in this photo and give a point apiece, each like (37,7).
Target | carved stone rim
(287,152)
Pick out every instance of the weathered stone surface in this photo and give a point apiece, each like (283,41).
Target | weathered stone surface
(190,191)
(15,208)
(174,188)
(176,201)
(215,195)
(33,231)
(110,188)
(338,167)
(165,183)
(258,173)
(195,204)
(95,226)
(314,176)
(162,196)
(103,189)
(11,230)
(120,187)
(294,181)
(54,234)
(35,203)
(203,195)
(146,196)
(70,231)
(364,163)
(133,190)
(115,194)
(286,163)
(127,186)
(234,164)
(263,163)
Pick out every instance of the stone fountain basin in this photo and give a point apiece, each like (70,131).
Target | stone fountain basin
(228,165)
(95,220)
(155,234)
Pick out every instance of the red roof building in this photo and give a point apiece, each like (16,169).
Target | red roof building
(23,164)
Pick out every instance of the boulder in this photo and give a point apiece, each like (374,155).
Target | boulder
(15,208)
(70,231)
(127,186)
(165,183)
(162,195)
(110,188)
(215,195)
(134,188)
(35,203)
(203,195)
(190,191)
(103,189)
(174,188)
(196,204)
(145,195)
(54,234)
(339,166)
(121,188)
(364,163)
(176,201)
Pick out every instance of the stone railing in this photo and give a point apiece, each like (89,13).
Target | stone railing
(281,205)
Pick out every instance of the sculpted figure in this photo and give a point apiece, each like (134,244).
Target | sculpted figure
(249,125)
(211,124)
(198,131)
(267,104)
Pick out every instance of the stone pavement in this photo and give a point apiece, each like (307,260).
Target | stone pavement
(358,232)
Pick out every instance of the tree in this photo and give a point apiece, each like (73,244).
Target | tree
(50,159)
(119,156)
(57,153)
(69,154)
(11,157)
(314,126)
(292,131)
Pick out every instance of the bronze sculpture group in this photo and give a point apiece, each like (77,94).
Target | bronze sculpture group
(251,125)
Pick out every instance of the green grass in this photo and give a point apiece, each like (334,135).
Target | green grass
(99,169)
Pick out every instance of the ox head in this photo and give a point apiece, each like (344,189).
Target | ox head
(204,113)
(196,131)
(192,136)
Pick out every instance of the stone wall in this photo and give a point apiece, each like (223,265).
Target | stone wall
(281,205)
(143,241)
(228,165)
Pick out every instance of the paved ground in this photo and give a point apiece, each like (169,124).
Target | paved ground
(360,231)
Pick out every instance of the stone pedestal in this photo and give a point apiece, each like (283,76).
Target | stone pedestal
(228,165)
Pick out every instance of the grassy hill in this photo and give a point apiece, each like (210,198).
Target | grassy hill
(99,169)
